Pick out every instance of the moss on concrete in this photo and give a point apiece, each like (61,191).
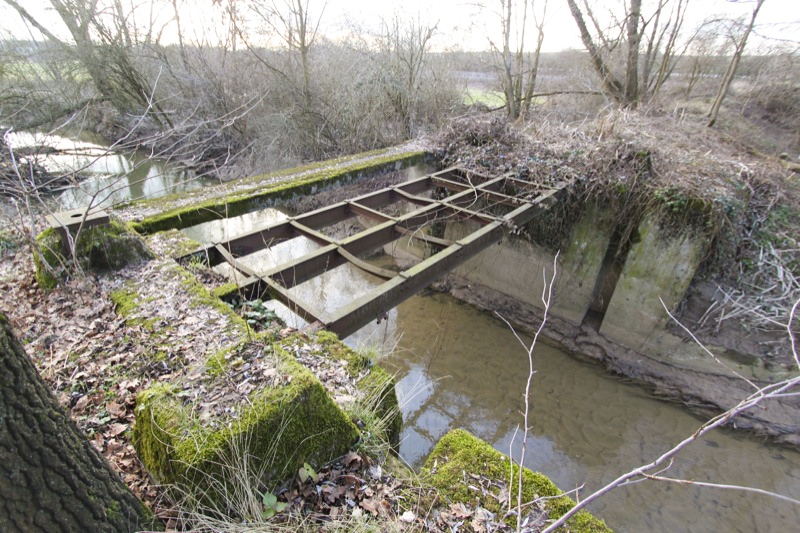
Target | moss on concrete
(172,243)
(226,291)
(98,249)
(459,452)
(659,267)
(257,197)
(279,428)
(375,383)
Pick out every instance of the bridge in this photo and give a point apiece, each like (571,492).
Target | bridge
(499,205)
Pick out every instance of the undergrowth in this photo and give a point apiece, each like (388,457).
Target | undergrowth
(694,179)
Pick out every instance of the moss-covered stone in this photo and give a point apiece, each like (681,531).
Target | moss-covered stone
(226,292)
(262,195)
(98,249)
(377,384)
(279,428)
(172,243)
(459,452)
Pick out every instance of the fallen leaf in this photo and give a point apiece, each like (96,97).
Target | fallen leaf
(115,409)
(81,404)
(118,429)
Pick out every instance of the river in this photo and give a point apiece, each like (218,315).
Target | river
(458,367)
(108,177)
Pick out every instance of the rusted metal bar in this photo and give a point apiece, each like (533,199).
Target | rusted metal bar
(414,234)
(424,237)
(407,283)
(440,207)
(238,265)
(295,305)
(365,266)
(326,258)
(470,188)
(276,291)
(496,196)
(272,234)
(371,213)
(316,236)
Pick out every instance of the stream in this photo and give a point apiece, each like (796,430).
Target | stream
(108,177)
(459,367)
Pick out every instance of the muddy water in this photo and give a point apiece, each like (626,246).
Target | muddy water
(111,177)
(459,367)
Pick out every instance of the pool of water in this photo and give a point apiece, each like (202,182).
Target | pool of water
(458,367)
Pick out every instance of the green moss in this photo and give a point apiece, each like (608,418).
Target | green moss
(173,243)
(125,300)
(200,296)
(51,250)
(251,199)
(459,452)
(226,292)
(112,512)
(377,386)
(99,249)
(280,428)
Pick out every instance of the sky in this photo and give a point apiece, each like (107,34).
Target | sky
(462,24)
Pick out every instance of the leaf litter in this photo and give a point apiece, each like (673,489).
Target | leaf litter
(96,361)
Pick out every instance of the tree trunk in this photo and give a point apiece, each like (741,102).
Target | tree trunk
(632,69)
(611,85)
(51,478)
(731,71)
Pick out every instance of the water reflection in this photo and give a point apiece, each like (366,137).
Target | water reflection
(112,177)
(324,294)
(459,367)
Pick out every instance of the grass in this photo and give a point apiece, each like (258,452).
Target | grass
(484,97)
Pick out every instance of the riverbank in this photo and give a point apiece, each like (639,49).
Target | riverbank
(105,343)
(619,173)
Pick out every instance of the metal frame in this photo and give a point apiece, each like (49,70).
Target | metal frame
(470,189)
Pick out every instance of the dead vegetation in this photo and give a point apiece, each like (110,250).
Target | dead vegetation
(654,160)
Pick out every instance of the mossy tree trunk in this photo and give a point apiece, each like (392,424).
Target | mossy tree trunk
(51,478)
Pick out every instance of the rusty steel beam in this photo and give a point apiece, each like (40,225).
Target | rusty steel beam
(479,191)
(326,258)
(272,234)
(370,213)
(407,283)
(276,291)
(470,188)
(424,237)
(316,236)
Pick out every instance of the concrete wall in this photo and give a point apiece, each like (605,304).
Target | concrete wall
(659,266)
(516,267)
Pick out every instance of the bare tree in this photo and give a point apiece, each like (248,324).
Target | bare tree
(405,46)
(102,45)
(658,30)
(727,78)
(519,70)
(292,23)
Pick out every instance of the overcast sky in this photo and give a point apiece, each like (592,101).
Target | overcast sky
(461,22)
(463,25)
